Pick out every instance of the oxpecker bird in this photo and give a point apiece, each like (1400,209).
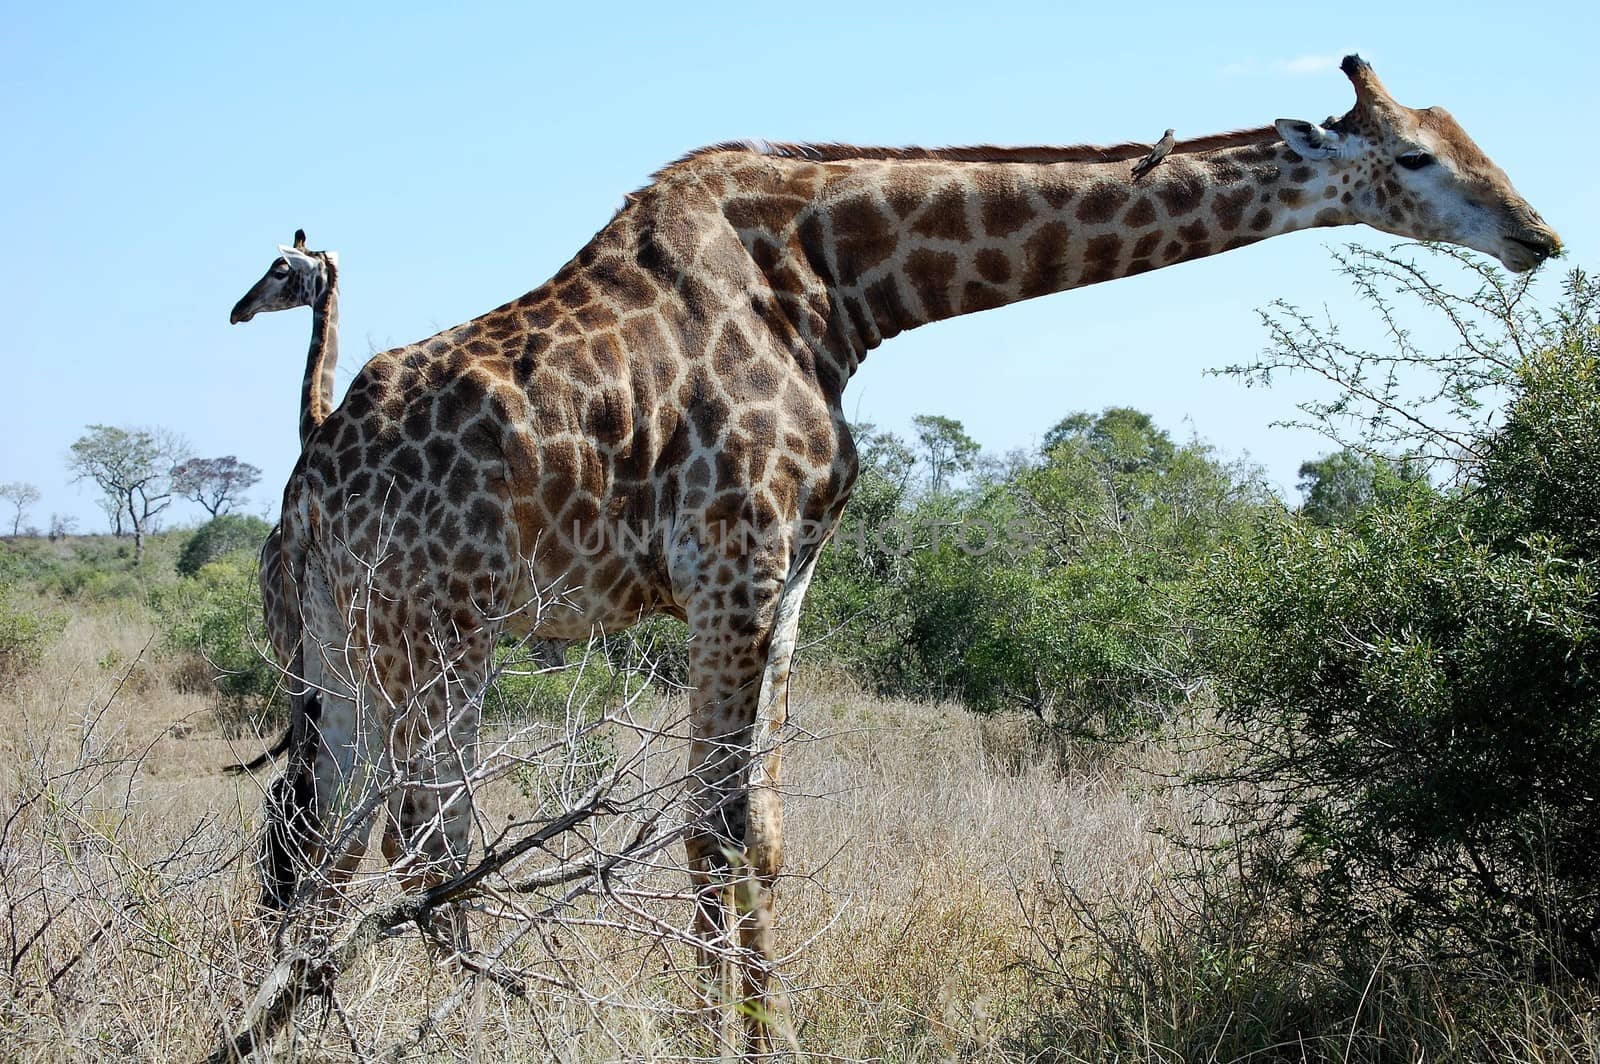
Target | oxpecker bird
(1162,149)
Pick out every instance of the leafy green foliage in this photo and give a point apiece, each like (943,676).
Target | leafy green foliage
(1078,609)
(221,535)
(1538,473)
(1422,707)
(527,685)
(1057,583)
(96,569)
(26,630)
(215,616)
(1413,696)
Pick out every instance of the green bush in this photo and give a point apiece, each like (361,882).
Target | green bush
(26,631)
(1420,711)
(527,686)
(1057,584)
(96,569)
(1413,697)
(221,535)
(854,609)
(216,617)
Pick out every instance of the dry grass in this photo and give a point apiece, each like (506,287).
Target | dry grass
(912,829)
(905,850)
(949,894)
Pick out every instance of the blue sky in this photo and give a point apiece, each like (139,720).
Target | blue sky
(456,158)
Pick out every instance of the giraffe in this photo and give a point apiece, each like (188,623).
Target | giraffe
(659,428)
(297,277)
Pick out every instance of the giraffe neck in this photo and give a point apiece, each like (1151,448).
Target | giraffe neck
(899,242)
(316,391)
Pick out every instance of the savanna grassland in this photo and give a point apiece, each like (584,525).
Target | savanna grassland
(1101,752)
(927,850)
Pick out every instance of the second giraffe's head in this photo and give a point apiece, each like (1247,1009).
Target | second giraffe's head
(1418,174)
(296,278)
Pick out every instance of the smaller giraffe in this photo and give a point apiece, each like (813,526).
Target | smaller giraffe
(298,277)
(302,278)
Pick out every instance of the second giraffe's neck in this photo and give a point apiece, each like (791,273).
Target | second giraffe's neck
(899,242)
(316,391)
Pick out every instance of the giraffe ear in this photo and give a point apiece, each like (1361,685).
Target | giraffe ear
(1310,141)
(300,239)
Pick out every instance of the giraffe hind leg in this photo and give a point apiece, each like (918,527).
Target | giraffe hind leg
(291,822)
(427,832)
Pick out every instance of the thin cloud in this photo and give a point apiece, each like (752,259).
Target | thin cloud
(1297,66)
(1308,64)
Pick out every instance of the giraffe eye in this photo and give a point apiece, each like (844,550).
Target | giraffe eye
(1415,160)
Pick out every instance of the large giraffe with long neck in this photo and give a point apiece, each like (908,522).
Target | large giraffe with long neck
(660,427)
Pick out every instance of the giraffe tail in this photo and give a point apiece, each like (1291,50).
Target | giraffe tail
(272,753)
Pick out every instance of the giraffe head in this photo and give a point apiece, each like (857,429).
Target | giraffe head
(1417,174)
(296,278)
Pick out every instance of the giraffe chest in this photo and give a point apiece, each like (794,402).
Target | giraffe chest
(721,482)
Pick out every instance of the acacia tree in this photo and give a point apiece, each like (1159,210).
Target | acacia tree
(20,495)
(215,483)
(133,468)
(946,447)
(1336,486)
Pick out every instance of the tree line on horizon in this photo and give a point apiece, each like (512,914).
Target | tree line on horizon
(140,472)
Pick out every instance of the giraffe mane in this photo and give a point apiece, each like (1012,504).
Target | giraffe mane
(1076,153)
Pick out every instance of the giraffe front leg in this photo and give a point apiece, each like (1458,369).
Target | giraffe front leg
(715,850)
(763,830)
(741,665)
(726,653)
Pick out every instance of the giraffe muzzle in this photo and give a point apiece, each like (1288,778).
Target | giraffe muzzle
(1532,248)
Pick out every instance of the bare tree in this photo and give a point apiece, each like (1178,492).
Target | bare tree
(577,900)
(133,468)
(62,525)
(21,496)
(1429,401)
(217,484)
